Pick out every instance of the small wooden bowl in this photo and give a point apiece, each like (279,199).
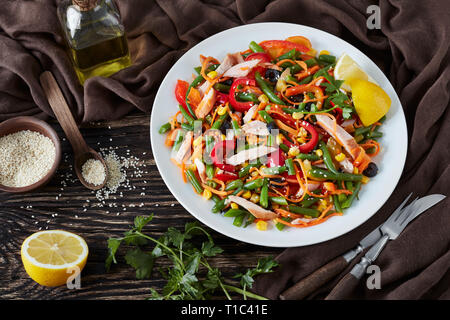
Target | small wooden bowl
(33,124)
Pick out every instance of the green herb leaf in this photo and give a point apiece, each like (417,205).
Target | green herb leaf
(141,261)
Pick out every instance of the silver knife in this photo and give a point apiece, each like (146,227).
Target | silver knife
(333,268)
(390,231)
(392,228)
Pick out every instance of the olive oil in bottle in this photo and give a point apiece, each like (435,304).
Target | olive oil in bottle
(95,37)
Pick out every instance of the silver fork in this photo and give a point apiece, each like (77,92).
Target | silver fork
(393,226)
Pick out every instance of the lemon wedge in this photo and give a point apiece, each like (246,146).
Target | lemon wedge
(50,256)
(370,100)
(346,69)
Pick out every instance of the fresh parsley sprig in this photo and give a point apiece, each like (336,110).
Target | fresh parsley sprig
(191,276)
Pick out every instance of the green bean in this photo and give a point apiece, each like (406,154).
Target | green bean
(164,128)
(342,197)
(305,211)
(267,90)
(178,140)
(311,62)
(239,219)
(264,196)
(306,80)
(218,206)
(234,185)
(187,127)
(290,166)
(310,157)
(186,115)
(329,59)
(211,183)
(219,122)
(349,185)
(237,191)
(222,87)
(374,134)
(284,147)
(255,47)
(352,197)
(274,170)
(279,200)
(292,79)
(359,138)
(265,116)
(234,212)
(193,179)
(254,184)
(361,131)
(247,96)
(288,55)
(250,219)
(215,198)
(245,171)
(281,226)
(327,158)
(295,68)
(325,174)
(337,204)
(308,202)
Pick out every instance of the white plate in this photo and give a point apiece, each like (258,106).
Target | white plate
(373,195)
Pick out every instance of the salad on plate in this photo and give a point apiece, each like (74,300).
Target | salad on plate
(277,133)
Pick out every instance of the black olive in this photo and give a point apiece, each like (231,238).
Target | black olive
(228,82)
(297,98)
(308,106)
(225,126)
(371,170)
(272,75)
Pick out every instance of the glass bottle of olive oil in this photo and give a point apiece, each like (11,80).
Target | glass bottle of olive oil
(95,37)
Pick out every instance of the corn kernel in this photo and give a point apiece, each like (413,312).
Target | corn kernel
(234,206)
(301,140)
(207,194)
(222,110)
(261,225)
(302,132)
(212,74)
(312,52)
(263,98)
(197,141)
(340,157)
(281,85)
(254,198)
(247,194)
(307,165)
(319,152)
(224,137)
(279,138)
(324,52)
(365,179)
(254,173)
(293,151)
(297,115)
(355,170)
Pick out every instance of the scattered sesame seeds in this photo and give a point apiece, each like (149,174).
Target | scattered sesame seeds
(25,158)
(93,172)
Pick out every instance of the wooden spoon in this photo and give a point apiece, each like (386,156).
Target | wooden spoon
(62,112)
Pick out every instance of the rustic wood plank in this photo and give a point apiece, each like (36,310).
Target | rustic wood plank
(61,206)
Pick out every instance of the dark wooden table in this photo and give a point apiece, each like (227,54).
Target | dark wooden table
(62,204)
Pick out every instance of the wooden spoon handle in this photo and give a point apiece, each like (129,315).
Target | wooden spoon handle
(62,112)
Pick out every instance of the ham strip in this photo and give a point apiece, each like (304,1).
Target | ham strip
(254,209)
(242,69)
(250,154)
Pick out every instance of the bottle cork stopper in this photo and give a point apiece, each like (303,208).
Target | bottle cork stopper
(85,5)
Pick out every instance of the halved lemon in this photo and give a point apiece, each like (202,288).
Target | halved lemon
(346,69)
(370,100)
(50,257)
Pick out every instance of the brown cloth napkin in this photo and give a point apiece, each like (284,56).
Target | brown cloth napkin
(411,48)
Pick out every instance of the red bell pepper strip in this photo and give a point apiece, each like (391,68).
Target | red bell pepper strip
(237,105)
(288,45)
(220,152)
(308,146)
(263,57)
(180,94)
(222,98)
(226,176)
(276,159)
